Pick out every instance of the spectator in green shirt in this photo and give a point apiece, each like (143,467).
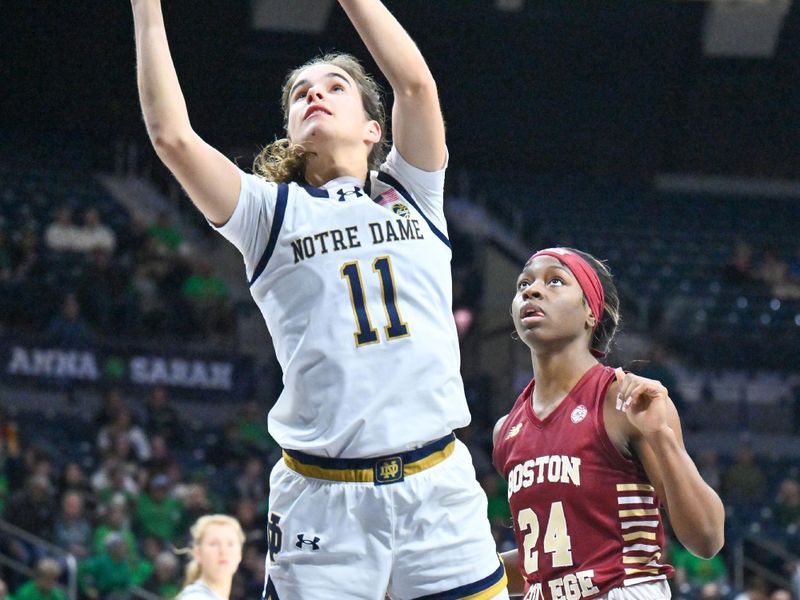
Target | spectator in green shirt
(44,585)
(108,572)
(203,286)
(158,513)
(167,237)
(253,432)
(497,499)
(207,296)
(115,521)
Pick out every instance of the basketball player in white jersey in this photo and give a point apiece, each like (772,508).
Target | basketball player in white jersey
(348,259)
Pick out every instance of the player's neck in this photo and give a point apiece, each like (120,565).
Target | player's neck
(220,587)
(557,371)
(322,168)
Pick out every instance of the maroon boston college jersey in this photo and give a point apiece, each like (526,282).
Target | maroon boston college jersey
(586,519)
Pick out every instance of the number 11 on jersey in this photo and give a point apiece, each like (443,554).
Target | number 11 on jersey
(365,333)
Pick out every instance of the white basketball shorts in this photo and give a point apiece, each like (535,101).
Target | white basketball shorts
(412,526)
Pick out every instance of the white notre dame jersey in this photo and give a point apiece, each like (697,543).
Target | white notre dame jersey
(355,287)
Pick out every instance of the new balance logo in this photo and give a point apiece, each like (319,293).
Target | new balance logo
(513,431)
(302,541)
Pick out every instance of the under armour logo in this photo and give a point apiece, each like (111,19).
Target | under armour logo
(356,191)
(301,540)
(274,535)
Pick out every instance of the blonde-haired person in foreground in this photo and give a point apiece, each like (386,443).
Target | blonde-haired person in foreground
(216,550)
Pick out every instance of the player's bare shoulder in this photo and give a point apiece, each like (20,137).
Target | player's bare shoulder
(497,428)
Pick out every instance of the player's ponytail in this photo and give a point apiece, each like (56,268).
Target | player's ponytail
(603,335)
(193,572)
(281,162)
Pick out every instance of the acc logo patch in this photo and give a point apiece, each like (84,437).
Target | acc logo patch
(400,209)
(579,414)
(514,431)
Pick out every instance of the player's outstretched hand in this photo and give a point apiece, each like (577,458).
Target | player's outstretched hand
(644,401)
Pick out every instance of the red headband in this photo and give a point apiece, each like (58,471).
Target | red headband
(587,279)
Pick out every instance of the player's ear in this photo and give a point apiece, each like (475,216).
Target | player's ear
(372,133)
(591,320)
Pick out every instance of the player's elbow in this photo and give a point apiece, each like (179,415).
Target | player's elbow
(707,541)
(164,140)
(710,546)
(169,144)
(417,85)
(709,551)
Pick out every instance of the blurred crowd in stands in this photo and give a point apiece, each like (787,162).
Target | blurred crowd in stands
(122,501)
(779,273)
(74,278)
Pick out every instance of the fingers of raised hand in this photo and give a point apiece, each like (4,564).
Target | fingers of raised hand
(620,375)
(627,382)
(632,388)
(636,396)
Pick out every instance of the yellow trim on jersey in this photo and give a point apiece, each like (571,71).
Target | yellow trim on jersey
(491,591)
(647,535)
(638,571)
(641,559)
(634,487)
(639,512)
(366,475)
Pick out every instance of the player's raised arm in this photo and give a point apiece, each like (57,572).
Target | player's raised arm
(210,179)
(417,124)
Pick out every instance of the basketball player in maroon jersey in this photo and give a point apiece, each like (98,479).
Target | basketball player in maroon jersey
(591,454)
